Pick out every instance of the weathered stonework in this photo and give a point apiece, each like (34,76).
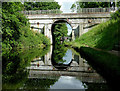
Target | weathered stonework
(79,22)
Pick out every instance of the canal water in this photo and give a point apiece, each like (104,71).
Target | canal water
(49,69)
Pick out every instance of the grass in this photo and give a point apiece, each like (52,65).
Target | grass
(103,36)
(106,64)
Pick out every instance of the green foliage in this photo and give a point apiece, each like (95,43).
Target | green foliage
(14,64)
(116,15)
(60,31)
(103,36)
(41,5)
(16,28)
(118,4)
(12,21)
(35,83)
(58,53)
(73,7)
(93,4)
(32,39)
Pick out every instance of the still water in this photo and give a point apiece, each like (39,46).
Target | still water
(50,69)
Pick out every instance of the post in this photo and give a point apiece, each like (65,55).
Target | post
(45,30)
(80,29)
(73,35)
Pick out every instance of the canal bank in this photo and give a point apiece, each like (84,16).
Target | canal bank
(108,65)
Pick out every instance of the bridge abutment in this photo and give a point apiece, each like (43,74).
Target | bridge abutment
(48,32)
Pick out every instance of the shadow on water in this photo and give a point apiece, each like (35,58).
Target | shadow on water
(106,68)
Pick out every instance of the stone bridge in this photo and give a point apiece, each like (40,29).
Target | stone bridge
(80,22)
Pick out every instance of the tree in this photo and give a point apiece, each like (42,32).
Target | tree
(41,5)
(12,22)
(78,5)
(73,7)
(93,4)
(60,31)
(16,28)
(59,51)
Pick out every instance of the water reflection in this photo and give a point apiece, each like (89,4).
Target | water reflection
(38,83)
(58,53)
(48,69)
(68,57)
(14,73)
(73,73)
(68,82)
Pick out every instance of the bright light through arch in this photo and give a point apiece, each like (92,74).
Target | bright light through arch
(69,29)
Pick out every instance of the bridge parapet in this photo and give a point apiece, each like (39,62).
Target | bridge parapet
(33,12)
(87,10)
(57,11)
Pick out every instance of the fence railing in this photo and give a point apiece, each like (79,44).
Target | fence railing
(87,10)
(81,10)
(32,12)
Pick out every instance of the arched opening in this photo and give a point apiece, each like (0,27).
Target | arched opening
(69,30)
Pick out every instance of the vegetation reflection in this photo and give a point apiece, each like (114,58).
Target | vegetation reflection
(14,64)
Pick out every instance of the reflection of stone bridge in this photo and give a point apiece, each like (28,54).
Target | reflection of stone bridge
(89,77)
(80,22)
(43,68)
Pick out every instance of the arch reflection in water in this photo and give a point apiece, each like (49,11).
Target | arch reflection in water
(57,56)
(62,57)
(66,60)
(68,57)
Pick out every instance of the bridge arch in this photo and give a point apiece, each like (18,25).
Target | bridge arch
(57,22)
(63,21)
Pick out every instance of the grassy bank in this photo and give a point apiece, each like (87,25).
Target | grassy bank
(103,36)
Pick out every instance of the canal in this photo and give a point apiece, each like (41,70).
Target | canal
(49,69)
